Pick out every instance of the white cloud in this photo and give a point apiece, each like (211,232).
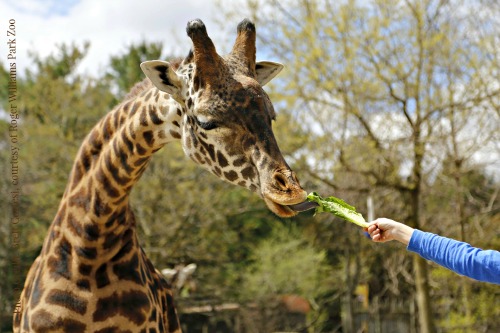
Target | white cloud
(109,25)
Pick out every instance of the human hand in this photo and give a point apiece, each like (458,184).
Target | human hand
(384,230)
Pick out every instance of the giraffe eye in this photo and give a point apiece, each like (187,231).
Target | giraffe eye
(206,125)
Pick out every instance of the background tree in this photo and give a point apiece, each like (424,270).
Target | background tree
(268,277)
(372,82)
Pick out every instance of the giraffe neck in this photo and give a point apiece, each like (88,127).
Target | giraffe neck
(92,272)
(94,215)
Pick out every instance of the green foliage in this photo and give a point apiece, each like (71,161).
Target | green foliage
(58,66)
(284,263)
(469,305)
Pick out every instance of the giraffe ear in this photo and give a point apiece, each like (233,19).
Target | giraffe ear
(163,76)
(266,71)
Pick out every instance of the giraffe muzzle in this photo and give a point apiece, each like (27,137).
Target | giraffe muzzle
(283,192)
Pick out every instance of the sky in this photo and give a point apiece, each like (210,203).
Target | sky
(110,26)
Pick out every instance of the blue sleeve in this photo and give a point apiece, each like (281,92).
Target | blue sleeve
(460,257)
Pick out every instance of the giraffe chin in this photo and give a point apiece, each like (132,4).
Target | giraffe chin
(278,209)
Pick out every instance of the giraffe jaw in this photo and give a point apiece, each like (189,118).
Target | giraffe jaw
(280,210)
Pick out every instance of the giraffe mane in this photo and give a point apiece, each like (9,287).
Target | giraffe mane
(138,88)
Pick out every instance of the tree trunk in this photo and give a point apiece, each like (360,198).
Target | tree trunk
(348,318)
(347,313)
(460,204)
(425,319)
(422,295)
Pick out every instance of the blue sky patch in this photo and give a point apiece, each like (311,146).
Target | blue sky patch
(43,8)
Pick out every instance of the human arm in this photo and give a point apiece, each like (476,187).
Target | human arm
(460,257)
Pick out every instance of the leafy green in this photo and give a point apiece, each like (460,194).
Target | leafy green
(337,207)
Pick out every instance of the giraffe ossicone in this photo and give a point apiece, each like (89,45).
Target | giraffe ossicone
(92,275)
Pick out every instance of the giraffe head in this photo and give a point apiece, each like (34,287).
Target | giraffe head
(226,123)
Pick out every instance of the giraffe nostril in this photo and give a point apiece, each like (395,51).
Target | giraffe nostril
(280,181)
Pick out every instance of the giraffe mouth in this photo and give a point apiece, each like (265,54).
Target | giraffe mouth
(284,207)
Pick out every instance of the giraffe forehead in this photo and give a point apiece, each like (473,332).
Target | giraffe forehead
(236,94)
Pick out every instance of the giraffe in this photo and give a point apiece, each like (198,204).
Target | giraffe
(92,275)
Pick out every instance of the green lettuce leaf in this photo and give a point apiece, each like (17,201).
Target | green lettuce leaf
(337,207)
